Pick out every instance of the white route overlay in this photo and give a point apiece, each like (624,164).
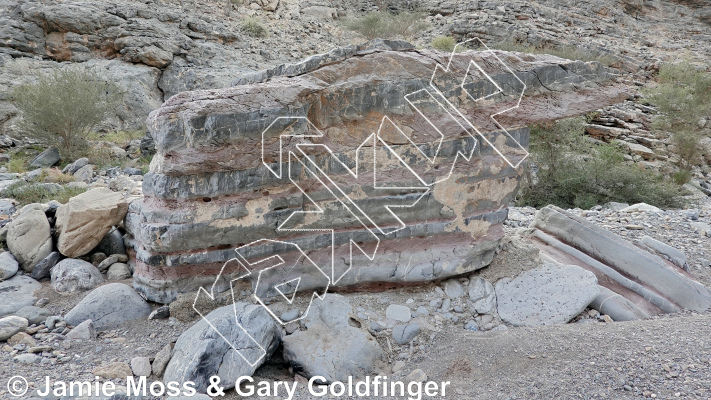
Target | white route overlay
(316,174)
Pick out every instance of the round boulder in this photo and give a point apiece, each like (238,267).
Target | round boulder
(109,306)
(71,275)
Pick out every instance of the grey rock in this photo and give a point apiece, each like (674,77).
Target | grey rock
(43,268)
(641,207)
(665,251)
(17,292)
(52,321)
(453,289)
(7,207)
(10,326)
(27,358)
(375,326)
(398,313)
(83,331)
(29,238)
(71,275)
(617,307)
(112,243)
(330,347)
(111,260)
(8,266)
(201,352)
(85,173)
(46,159)
(162,359)
(141,366)
(34,315)
(109,306)
(290,315)
(550,294)
(627,268)
(118,272)
(75,166)
(471,325)
(482,296)
(403,334)
(422,311)
(160,313)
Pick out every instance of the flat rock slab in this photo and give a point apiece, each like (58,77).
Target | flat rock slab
(202,351)
(29,238)
(109,306)
(551,294)
(17,292)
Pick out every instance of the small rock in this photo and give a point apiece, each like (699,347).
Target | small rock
(641,207)
(403,334)
(141,366)
(8,266)
(453,289)
(161,360)
(52,321)
(21,338)
(417,375)
(43,268)
(83,331)
(115,370)
(290,315)
(27,358)
(398,313)
(118,272)
(399,365)
(160,313)
(111,260)
(471,325)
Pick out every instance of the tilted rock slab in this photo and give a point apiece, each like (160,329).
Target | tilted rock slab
(637,283)
(209,192)
(29,238)
(84,221)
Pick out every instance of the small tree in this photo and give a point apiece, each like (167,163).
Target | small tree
(683,98)
(64,105)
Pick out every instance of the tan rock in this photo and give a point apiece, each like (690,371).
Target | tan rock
(86,219)
(21,338)
(116,370)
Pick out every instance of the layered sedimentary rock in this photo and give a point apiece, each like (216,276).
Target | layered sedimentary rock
(380,171)
(636,283)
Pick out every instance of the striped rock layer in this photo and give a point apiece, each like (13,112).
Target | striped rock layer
(312,155)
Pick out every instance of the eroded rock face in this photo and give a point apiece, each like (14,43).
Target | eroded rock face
(212,190)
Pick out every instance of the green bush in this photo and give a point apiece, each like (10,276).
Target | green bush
(576,171)
(568,52)
(254,28)
(444,43)
(64,105)
(382,24)
(36,192)
(683,96)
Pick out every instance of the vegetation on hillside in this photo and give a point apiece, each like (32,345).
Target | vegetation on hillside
(577,171)
(568,52)
(63,106)
(683,98)
(386,25)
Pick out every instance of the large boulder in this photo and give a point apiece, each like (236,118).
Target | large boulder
(17,292)
(209,348)
(29,238)
(208,189)
(46,158)
(8,266)
(71,275)
(109,306)
(84,221)
(550,294)
(330,347)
